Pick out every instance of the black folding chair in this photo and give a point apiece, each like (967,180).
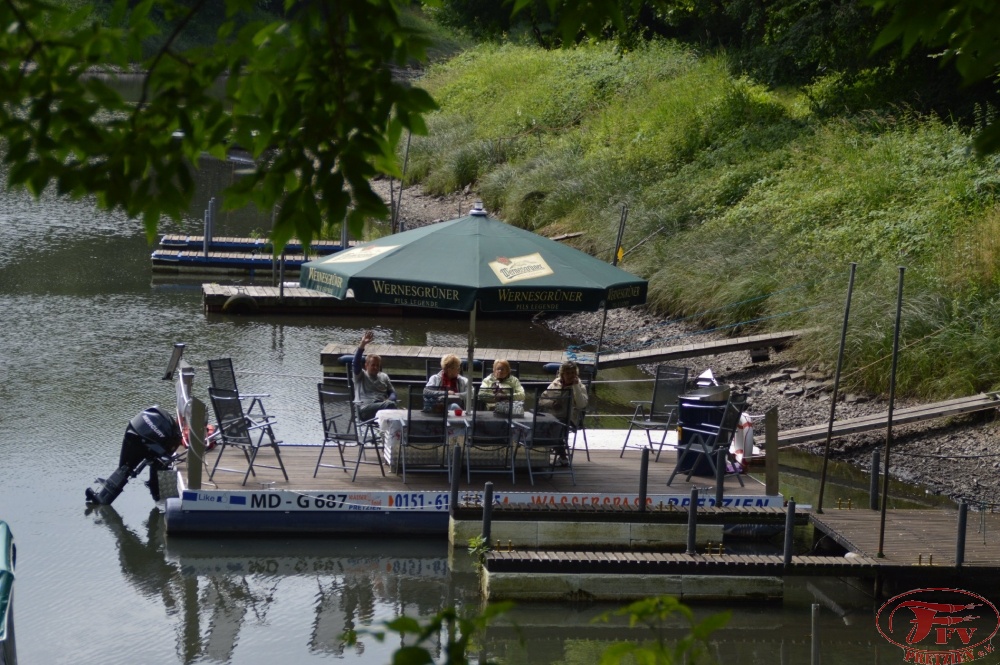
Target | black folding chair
(548,432)
(342,429)
(424,445)
(669,384)
(236,429)
(489,441)
(707,439)
(222,375)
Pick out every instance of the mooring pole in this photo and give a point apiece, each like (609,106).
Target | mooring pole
(963,511)
(720,475)
(643,479)
(487,513)
(456,466)
(789,531)
(873,484)
(836,387)
(892,402)
(692,545)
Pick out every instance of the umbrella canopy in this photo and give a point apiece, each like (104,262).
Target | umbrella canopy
(474,263)
(453,265)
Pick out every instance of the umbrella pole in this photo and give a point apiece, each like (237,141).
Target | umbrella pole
(471,353)
(600,340)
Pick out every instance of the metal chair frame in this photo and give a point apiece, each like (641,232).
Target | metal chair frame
(337,404)
(222,375)
(539,435)
(236,429)
(476,438)
(669,384)
(709,439)
(434,438)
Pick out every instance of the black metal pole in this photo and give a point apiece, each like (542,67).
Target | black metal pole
(720,475)
(892,402)
(614,262)
(643,479)
(963,511)
(692,544)
(487,513)
(456,467)
(789,531)
(836,388)
(873,485)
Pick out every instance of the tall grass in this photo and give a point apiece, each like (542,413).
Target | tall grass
(745,209)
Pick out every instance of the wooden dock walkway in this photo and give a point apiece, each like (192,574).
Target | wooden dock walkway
(606,473)
(664,354)
(414,356)
(922,543)
(875,421)
(667,563)
(238,299)
(926,538)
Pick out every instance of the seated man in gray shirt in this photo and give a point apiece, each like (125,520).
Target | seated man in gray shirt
(372,388)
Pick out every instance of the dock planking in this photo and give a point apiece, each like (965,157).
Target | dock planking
(952,407)
(606,473)
(332,352)
(913,537)
(675,563)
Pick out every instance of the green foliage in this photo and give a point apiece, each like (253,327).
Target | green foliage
(311,95)
(478,549)
(962,32)
(744,208)
(460,631)
(457,630)
(652,613)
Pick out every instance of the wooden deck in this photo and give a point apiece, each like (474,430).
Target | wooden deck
(606,474)
(227,298)
(905,416)
(913,537)
(667,563)
(414,356)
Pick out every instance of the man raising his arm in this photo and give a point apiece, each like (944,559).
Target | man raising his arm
(372,388)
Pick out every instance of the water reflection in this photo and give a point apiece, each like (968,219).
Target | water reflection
(218,591)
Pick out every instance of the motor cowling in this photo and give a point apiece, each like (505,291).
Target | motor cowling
(151,438)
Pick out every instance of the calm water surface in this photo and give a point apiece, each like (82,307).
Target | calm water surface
(85,338)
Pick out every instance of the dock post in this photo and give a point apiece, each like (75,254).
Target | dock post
(196,454)
(456,467)
(720,476)
(771,451)
(873,485)
(789,531)
(963,512)
(487,513)
(692,545)
(643,479)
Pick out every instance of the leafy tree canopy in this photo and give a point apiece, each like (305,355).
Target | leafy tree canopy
(963,31)
(309,91)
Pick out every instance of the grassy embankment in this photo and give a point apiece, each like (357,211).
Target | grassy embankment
(745,208)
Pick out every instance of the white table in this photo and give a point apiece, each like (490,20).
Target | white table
(393,425)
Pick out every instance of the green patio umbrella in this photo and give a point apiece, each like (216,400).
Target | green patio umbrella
(474,263)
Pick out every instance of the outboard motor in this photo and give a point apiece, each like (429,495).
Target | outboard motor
(151,438)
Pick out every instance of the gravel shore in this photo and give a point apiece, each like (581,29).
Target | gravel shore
(947,456)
